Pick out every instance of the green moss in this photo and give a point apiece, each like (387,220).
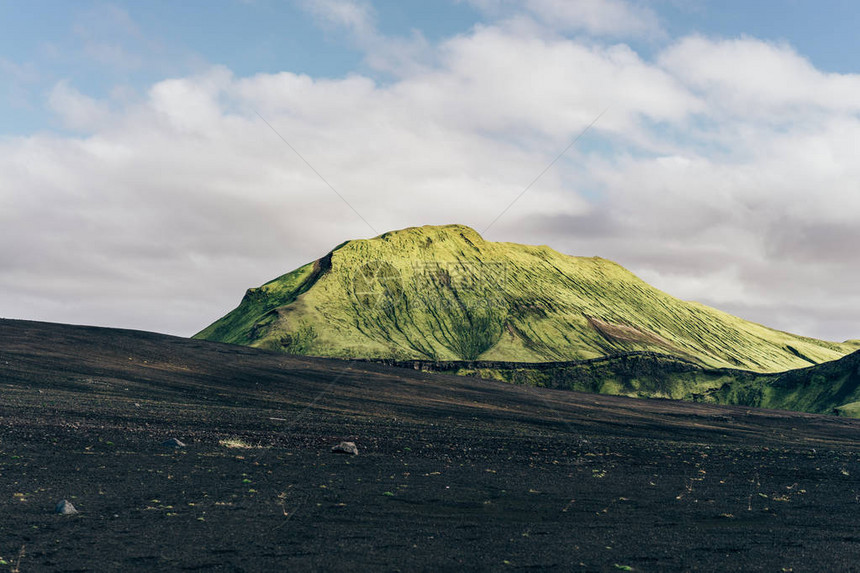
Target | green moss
(851,410)
(444,293)
(830,388)
(250,321)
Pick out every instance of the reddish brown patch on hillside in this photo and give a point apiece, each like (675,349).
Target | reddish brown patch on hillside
(625,333)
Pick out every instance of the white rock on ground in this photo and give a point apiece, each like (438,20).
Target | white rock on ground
(346,448)
(65,507)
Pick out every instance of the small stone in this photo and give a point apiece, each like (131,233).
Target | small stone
(172,443)
(65,507)
(346,448)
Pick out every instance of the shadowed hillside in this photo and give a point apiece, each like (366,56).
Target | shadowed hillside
(444,293)
(829,388)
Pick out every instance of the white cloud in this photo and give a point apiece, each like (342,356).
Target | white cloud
(19,79)
(399,55)
(598,17)
(355,16)
(105,33)
(613,18)
(495,81)
(175,202)
(25,73)
(76,110)
(752,79)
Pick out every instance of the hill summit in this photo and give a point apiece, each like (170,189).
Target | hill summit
(444,293)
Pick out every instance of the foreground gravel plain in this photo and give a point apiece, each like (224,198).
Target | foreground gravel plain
(453,473)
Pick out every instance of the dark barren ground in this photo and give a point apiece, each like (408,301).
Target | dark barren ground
(454,473)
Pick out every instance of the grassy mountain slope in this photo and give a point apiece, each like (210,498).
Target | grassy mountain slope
(638,375)
(832,387)
(444,293)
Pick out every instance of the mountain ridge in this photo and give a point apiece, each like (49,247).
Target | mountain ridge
(827,388)
(445,293)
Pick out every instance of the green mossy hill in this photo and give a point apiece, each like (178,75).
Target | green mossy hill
(829,388)
(444,293)
(833,387)
(634,374)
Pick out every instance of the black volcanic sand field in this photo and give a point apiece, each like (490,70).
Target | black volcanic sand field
(454,473)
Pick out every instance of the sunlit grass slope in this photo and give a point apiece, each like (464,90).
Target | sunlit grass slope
(444,293)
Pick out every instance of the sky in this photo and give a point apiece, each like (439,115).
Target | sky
(159,158)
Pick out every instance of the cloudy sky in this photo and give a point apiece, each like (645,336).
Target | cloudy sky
(141,187)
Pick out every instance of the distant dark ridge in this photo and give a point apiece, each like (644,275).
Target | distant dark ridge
(445,365)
